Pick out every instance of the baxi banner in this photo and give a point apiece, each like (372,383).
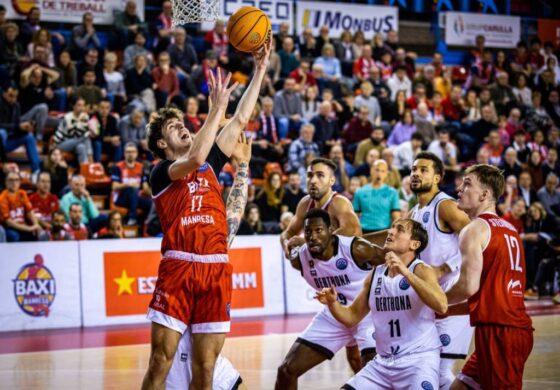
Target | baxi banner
(462,28)
(71,11)
(346,17)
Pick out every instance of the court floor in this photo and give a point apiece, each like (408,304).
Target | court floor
(256,357)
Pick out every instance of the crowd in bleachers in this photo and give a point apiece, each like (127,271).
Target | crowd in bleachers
(74,108)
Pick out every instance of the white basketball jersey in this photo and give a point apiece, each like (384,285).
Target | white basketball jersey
(403,323)
(442,246)
(340,271)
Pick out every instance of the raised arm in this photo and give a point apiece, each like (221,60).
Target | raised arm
(295,227)
(349,316)
(204,139)
(237,199)
(472,240)
(228,136)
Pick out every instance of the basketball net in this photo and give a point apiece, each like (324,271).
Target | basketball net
(194,11)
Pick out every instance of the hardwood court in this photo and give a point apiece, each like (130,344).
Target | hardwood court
(256,357)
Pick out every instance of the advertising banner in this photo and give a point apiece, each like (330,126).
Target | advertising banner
(278,11)
(461,29)
(549,30)
(39,286)
(346,17)
(118,281)
(71,11)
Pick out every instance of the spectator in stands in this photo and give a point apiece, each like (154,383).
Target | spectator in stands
(327,132)
(510,165)
(17,129)
(132,128)
(359,42)
(201,74)
(138,84)
(43,202)
(166,83)
(323,38)
(534,166)
(84,37)
(502,93)
(393,178)
(403,130)
(287,108)
(376,140)
(538,144)
(377,204)
(127,24)
(136,49)
(502,63)
(453,107)
(445,149)
(536,116)
(292,192)
(89,213)
(288,59)
(551,163)
(353,187)
(363,64)
(553,139)
(510,195)
(75,227)
(546,83)
(344,51)
(380,88)
(251,223)
(406,152)
(358,129)
(526,190)
(68,80)
(494,147)
(521,91)
(36,92)
(418,97)
(16,211)
(12,51)
(472,110)
(268,143)
(106,137)
(131,185)
(535,58)
(115,82)
(58,169)
(549,196)
(30,25)
(192,120)
(399,81)
(443,84)
(482,72)
(516,214)
(309,103)
(424,122)
(307,44)
(331,64)
(392,111)
(114,228)
(73,135)
(57,231)
(182,53)
(520,146)
(427,79)
(364,169)
(407,196)
(42,38)
(89,92)
(269,199)
(482,127)
(162,28)
(366,99)
(345,169)
(216,40)
(283,32)
(301,147)
(91,60)
(553,107)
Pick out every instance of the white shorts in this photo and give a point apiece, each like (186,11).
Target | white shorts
(328,336)
(226,377)
(455,332)
(411,372)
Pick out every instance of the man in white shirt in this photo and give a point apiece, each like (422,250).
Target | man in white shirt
(399,81)
(444,149)
(407,151)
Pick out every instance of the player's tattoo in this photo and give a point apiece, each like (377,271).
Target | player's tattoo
(237,200)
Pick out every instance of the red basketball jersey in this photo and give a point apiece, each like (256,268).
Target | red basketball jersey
(499,299)
(192,213)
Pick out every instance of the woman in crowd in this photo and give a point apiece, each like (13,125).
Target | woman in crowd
(251,223)
(309,103)
(534,167)
(270,197)
(403,130)
(58,169)
(42,38)
(73,135)
(115,82)
(68,75)
(114,228)
(522,91)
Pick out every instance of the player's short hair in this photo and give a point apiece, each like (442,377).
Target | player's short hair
(417,233)
(318,213)
(156,126)
(436,162)
(325,161)
(489,176)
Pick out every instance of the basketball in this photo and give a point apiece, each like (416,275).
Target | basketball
(248,28)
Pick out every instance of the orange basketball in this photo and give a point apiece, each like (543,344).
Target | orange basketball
(248,28)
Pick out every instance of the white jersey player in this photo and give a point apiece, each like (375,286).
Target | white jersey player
(401,296)
(439,215)
(328,260)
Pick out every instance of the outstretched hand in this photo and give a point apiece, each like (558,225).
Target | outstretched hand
(219,91)
(242,151)
(326,296)
(262,54)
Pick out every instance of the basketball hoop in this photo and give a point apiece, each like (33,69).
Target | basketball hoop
(194,11)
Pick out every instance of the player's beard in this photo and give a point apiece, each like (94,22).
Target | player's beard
(317,194)
(422,189)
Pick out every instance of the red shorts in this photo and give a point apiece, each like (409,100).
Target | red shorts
(499,357)
(195,294)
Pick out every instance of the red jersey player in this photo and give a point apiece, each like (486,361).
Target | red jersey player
(493,280)
(194,277)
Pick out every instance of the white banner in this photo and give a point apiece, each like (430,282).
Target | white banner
(278,11)
(340,17)
(71,11)
(39,286)
(500,31)
(119,276)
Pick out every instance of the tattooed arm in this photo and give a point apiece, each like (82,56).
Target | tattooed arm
(237,198)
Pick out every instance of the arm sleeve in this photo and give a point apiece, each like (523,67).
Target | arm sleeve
(159,178)
(217,159)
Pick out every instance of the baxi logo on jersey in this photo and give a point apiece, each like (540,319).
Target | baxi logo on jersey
(427,385)
(35,288)
(404,284)
(426,217)
(341,264)
(445,339)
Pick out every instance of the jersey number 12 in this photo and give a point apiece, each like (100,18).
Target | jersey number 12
(513,248)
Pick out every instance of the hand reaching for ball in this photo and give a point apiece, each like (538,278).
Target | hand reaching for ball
(262,54)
